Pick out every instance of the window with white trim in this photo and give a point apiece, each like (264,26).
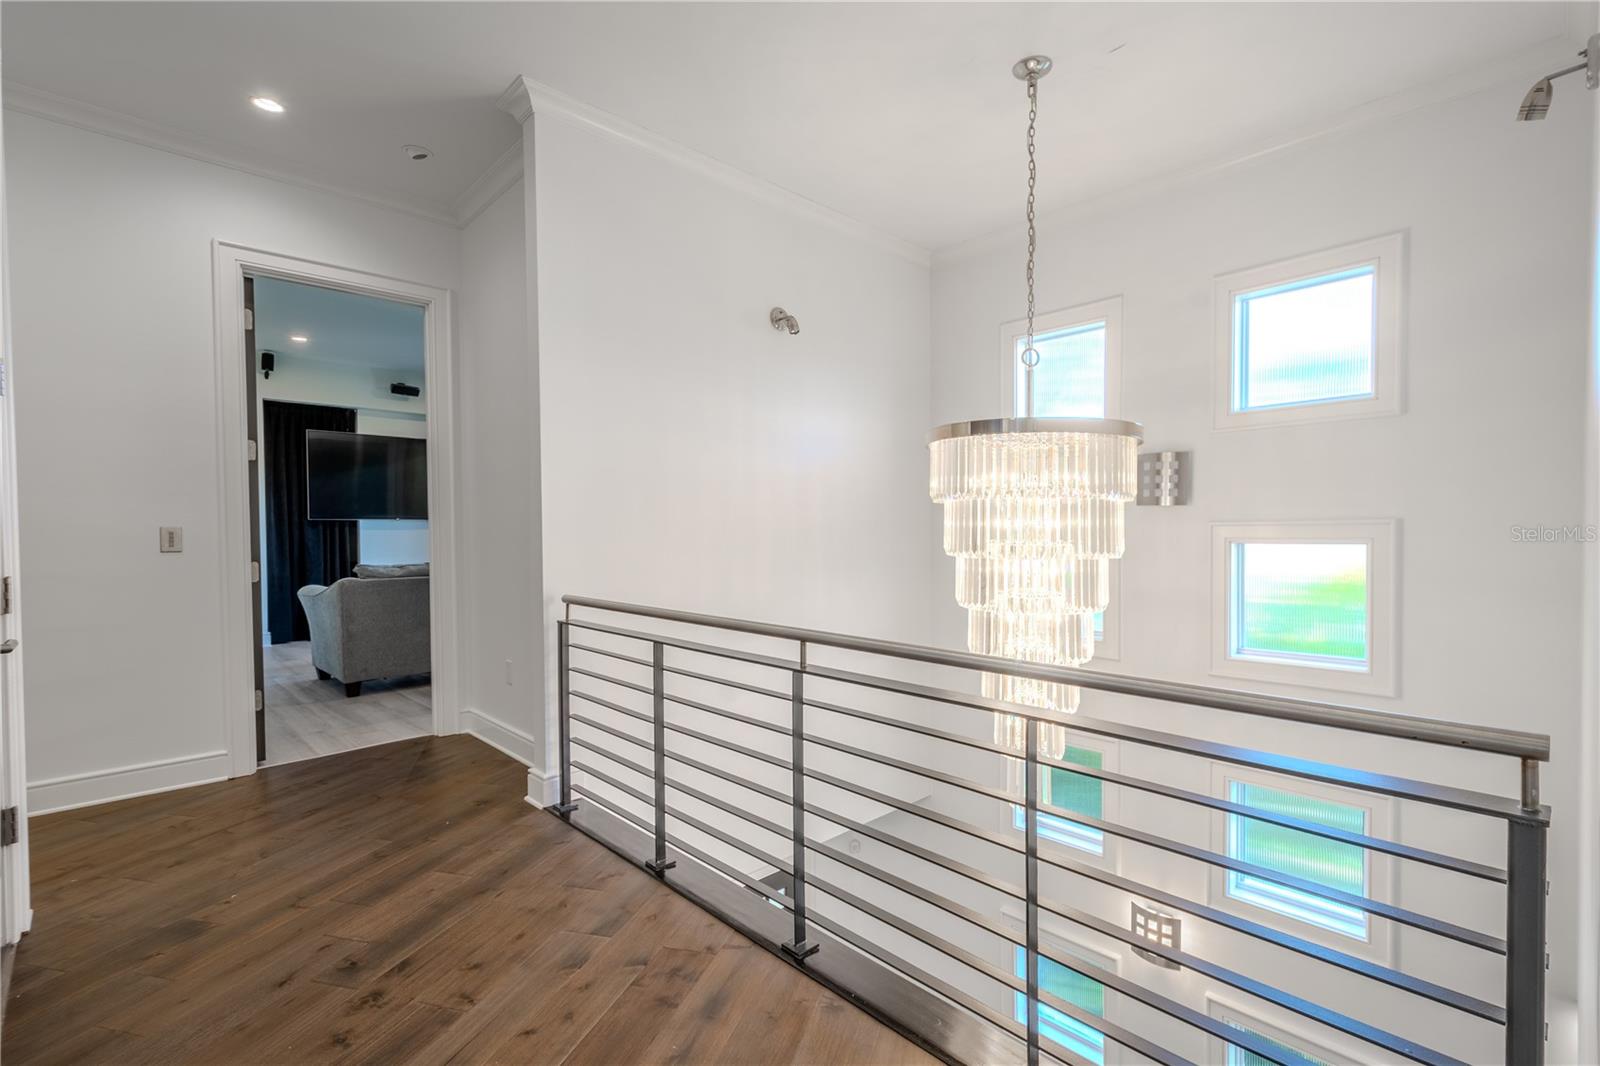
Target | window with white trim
(1069,793)
(1313,337)
(1276,1037)
(1296,853)
(1069,986)
(1078,376)
(1306,603)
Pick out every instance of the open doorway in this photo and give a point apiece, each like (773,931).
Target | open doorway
(339,518)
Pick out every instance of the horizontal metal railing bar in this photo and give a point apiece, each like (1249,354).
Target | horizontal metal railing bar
(1001,974)
(583,719)
(911,888)
(728,745)
(731,778)
(612,756)
(911,768)
(608,679)
(1428,924)
(912,727)
(730,808)
(729,839)
(754,884)
(971,873)
(1288,941)
(601,701)
(684,846)
(1371,843)
(636,660)
(916,973)
(1404,788)
(759,690)
(690,645)
(1428,730)
(723,712)
(613,807)
(621,786)
(1004,840)
(1325,1016)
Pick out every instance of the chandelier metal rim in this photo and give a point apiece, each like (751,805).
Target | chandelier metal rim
(989,427)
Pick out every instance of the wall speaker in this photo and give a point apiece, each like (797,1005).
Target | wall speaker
(400,388)
(268,361)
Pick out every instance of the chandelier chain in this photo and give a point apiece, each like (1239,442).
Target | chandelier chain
(1033,175)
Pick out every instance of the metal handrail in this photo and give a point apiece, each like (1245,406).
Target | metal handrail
(1526,822)
(1489,739)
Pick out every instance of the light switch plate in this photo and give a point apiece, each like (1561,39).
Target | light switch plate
(172,538)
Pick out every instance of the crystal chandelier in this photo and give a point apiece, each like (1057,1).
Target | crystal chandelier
(1033,514)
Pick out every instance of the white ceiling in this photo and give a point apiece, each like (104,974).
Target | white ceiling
(345,328)
(903,116)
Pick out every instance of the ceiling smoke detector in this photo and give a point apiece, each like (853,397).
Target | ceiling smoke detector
(416,153)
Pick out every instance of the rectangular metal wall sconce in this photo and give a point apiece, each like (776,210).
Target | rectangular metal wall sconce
(1165,930)
(1164,478)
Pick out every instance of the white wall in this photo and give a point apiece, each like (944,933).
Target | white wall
(1492,433)
(503,659)
(692,456)
(112,298)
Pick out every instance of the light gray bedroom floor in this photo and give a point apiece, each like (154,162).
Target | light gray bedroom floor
(307,718)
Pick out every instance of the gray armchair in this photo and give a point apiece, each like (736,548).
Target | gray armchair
(363,629)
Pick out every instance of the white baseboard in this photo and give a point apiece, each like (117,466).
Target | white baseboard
(126,782)
(497,734)
(542,788)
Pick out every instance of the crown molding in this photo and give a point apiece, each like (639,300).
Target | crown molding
(501,175)
(525,97)
(1528,63)
(26,100)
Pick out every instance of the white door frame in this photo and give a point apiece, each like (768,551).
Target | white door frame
(231,263)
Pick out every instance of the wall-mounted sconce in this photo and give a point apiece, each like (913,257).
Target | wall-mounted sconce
(783,321)
(1162,930)
(1164,478)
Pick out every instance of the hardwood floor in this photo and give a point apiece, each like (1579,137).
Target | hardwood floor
(307,718)
(397,904)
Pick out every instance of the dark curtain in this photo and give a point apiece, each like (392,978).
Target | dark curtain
(299,552)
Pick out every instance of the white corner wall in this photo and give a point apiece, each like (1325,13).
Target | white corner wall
(114,344)
(1492,433)
(503,646)
(693,457)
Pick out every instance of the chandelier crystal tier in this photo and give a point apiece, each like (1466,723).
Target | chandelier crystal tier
(1033,515)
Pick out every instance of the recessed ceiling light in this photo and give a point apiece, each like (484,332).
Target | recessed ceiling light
(299,338)
(268,104)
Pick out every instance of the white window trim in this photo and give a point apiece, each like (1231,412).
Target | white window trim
(1386,256)
(1110,857)
(1382,870)
(1056,939)
(1108,311)
(1380,677)
(1281,1029)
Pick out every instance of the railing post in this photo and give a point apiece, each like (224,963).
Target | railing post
(1525,932)
(799,947)
(563,713)
(658,676)
(1031,791)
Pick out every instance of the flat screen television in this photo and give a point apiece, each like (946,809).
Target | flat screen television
(362,475)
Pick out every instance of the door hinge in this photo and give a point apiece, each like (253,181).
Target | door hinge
(250,451)
(5,595)
(249,319)
(261,701)
(8,827)
(255,571)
